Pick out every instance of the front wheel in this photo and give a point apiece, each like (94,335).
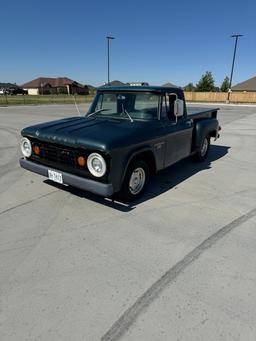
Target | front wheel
(203,151)
(135,181)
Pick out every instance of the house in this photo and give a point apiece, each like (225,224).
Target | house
(8,85)
(60,85)
(169,85)
(114,83)
(248,85)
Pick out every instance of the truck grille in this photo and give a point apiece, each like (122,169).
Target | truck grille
(58,155)
(64,158)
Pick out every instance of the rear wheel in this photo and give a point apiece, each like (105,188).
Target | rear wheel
(135,181)
(203,151)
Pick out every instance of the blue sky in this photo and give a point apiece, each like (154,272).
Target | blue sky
(156,41)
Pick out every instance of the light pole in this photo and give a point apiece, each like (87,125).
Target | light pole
(236,36)
(108,39)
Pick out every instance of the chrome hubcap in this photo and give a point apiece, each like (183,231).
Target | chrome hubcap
(137,180)
(204,147)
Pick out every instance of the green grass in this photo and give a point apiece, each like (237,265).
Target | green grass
(45,99)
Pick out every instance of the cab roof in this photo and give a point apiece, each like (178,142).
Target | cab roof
(151,88)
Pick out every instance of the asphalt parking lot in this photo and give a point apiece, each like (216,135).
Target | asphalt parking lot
(178,265)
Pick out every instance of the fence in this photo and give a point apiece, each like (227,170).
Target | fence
(43,99)
(235,97)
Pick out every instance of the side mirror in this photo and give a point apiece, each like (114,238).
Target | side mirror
(178,108)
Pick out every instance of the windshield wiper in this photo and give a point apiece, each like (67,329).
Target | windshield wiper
(126,112)
(96,112)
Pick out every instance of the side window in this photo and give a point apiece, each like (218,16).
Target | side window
(165,107)
(172,99)
(168,106)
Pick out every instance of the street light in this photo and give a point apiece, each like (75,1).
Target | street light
(108,39)
(236,36)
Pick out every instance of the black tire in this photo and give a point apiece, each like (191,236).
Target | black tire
(203,151)
(128,193)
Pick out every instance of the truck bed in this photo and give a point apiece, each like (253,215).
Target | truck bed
(201,112)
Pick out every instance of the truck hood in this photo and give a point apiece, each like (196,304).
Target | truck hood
(90,132)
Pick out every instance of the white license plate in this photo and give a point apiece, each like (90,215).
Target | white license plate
(55,176)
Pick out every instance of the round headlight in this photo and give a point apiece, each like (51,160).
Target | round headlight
(26,147)
(96,165)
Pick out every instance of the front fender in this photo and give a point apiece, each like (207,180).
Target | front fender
(133,154)
(120,162)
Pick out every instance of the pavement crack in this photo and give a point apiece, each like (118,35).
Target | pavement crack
(27,202)
(129,317)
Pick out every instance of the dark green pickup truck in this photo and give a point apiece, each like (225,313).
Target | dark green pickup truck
(129,133)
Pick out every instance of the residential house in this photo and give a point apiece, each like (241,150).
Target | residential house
(114,83)
(169,85)
(60,85)
(247,86)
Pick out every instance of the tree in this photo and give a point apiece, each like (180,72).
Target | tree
(225,85)
(189,87)
(206,83)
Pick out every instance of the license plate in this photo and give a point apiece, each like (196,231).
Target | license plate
(55,176)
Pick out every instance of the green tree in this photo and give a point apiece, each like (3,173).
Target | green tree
(189,87)
(206,83)
(225,85)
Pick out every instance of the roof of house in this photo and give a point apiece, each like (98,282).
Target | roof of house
(53,82)
(167,85)
(8,85)
(248,85)
(114,83)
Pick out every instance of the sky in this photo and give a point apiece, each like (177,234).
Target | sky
(155,41)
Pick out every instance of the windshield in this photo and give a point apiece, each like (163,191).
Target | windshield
(136,105)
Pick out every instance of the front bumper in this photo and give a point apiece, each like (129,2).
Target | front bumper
(105,190)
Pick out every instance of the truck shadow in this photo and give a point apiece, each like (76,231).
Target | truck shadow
(164,181)
(171,177)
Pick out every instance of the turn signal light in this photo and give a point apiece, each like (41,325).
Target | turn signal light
(36,150)
(81,161)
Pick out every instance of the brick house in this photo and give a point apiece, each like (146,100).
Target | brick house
(60,85)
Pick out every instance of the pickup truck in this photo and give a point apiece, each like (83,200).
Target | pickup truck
(128,134)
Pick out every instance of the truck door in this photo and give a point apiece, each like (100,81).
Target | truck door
(178,134)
